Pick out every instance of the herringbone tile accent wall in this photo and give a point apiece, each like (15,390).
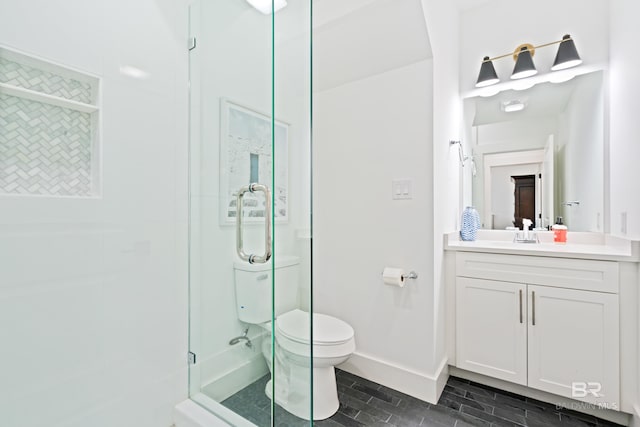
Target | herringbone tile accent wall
(46,142)
(43,81)
(44,149)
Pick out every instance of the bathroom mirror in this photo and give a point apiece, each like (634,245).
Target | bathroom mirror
(537,153)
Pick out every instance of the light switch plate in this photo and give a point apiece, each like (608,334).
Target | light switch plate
(401,189)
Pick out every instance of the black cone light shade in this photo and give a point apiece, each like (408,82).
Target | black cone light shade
(567,55)
(524,65)
(487,76)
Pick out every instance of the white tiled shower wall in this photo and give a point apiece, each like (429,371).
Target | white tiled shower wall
(47,149)
(93,292)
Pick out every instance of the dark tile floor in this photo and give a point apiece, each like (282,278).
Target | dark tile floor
(463,403)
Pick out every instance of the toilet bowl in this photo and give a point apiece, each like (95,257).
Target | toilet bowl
(297,354)
(333,343)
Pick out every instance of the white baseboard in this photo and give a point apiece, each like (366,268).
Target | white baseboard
(607,414)
(441,378)
(635,421)
(416,384)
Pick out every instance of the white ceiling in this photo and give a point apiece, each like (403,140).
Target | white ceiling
(366,38)
(358,38)
(325,11)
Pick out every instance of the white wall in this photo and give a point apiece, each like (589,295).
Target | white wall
(624,104)
(624,128)
(366,134)
(497,27)
(93,292)
(442,20)
(581,148)
(233,61)
(369,131)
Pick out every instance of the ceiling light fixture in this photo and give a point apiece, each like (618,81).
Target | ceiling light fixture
(512,106)
(266,6)
(566,57)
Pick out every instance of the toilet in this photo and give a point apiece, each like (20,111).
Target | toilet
(333,339)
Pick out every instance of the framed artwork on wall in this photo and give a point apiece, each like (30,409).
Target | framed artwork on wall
(249,154)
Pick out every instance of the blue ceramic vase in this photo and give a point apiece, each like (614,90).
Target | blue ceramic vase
(470,224)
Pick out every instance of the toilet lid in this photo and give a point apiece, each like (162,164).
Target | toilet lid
(294,325)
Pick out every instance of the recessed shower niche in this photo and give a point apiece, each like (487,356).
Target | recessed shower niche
(49,138)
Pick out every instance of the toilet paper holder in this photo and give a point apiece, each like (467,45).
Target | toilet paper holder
(411,275)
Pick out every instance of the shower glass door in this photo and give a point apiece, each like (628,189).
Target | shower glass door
(250,210)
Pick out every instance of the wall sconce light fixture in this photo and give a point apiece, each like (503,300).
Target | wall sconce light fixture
(566,57)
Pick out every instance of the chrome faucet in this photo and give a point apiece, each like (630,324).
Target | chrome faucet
(525,236)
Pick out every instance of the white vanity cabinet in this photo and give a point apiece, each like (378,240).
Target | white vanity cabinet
(573,342)
(491,333)
(551,324)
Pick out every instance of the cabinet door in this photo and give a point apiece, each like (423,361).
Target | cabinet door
(491,328)
(573,344)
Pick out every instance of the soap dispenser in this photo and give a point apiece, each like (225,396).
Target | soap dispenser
(526,223)
(559,231)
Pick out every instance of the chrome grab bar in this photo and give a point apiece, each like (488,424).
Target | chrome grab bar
(253,258)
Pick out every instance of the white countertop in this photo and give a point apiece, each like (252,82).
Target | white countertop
(581,245)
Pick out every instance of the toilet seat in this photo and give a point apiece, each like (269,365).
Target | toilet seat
(332,337)
(327,330)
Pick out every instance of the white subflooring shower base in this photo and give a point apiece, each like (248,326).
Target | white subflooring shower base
(204,409)
(199,412)
(232,381)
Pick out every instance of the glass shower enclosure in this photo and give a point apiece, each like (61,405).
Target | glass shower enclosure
(250,209)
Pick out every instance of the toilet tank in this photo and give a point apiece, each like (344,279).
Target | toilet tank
(253,288)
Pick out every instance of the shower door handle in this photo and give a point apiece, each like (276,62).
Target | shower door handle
(253,258)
